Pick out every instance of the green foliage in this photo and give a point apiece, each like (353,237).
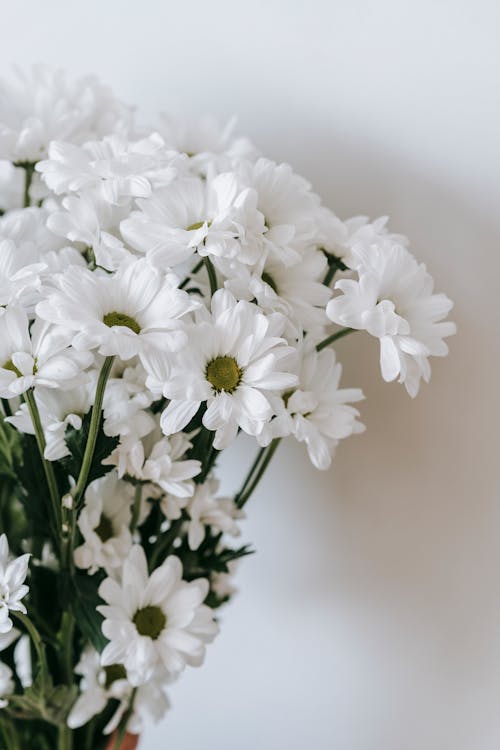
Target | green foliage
(84,600)
(76,440)
(43,700)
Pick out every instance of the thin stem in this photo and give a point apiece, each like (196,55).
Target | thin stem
(9,734)
(248,477)
(164,542)
(122,729)
(211,275)
(29,170)
(93,431)
(67,633)
(136,508)
(47,466)
(191,274)
(65,738)
(267,456)
(330,339)
(334,265)
(37,642)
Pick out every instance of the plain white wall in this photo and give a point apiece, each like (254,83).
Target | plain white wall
(370,617)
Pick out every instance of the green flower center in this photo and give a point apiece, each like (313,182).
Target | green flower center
(113,673)
(270,282)
(120,319)
(150,621)
(105,529)
(197,225)
(12,368)
(223,374)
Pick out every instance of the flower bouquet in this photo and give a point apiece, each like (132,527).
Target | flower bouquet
(162,292)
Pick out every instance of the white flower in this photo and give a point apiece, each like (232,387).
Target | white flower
(393,300)
(161,460)
(121,313)
(117,169)
(194,214)
(42,105)
(287,204)
(233,360)
(154,620)
(58,409)
(104,524)
(40,356)
(12,587)
(205,509)
(98,685)
(320,412)
(7,686)
(295,291)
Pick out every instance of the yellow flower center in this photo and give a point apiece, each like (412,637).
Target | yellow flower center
(120,319)
(150,621)
(223,374)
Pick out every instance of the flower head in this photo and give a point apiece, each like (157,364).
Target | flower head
(12,587)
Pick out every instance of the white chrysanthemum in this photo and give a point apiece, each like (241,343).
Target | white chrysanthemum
(118,314)
(159,460)
(208,144)
(295,291)
(104,524)
(233,360)
(156,619)
(319,413)
(393,300)
(287,204)
(43,105)
(212,216)
(115,168)
(99,685)
(37,356)
(206,509)
(7,686)
(126,404)
(58,409)
(12,587)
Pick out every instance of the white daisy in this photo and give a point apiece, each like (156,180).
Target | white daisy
(156,619)
(104,524)
(393,300)
(12,587)
(205,509)
(42,105)
(37,356)
(118,314)
(234,360)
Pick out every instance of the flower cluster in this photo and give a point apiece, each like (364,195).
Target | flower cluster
(162,292)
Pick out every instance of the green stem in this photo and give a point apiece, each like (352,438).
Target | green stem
(95,420)
(266,458)
(37,642)
(249,476)
(330,339)
(188,278)
(47,466)
(122,729)
(65,738)
(9,734)
(211,275)
(334,265)
(163,544)
(29,171)
(66,639)
(136,508)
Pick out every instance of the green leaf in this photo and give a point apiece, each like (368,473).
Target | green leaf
(76,440)
(85,601)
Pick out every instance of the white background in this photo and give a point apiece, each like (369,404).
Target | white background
(370,617)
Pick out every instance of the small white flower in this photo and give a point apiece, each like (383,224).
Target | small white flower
(99,685)
(233,361)
(37,356)
(319,412)
(12,587)
(156,619)
(7,686)
(104,524)
(393,300)
(42,105)
(205,509)
(118,314)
